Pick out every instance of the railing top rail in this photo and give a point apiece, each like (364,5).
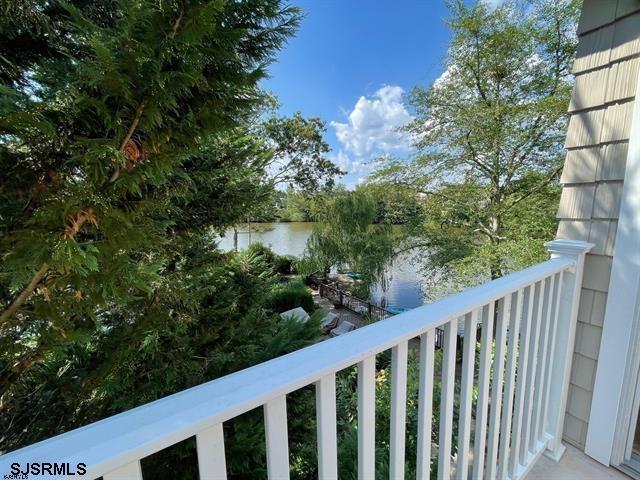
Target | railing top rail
(137,433)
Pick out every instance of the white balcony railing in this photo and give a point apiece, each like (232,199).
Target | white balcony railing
(528,317)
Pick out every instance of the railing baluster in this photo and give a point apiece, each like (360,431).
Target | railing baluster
(483,391)
(552,348)
(211,458)
(327,435)
(509,385)
(130,471)
(367,418)
(533,369)
(275,423)
(466,394)
(425,404)
(566,313)
(504,313)
(398,410)
(523,365)
(540,378)
(447,398)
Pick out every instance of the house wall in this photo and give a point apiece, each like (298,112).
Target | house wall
(606,70)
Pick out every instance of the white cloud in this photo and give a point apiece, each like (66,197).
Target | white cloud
(342,160)
(372,125)
(493,4)
(355,167)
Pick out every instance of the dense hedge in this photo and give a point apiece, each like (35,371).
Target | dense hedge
(290,295)
(281,264)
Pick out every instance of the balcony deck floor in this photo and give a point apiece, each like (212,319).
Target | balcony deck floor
(575,465)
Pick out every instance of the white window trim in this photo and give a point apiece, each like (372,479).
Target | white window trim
(619,357)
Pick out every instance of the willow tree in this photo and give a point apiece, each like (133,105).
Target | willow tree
(489,135)
(349,234)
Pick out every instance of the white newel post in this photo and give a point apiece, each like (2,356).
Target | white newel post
(565,333)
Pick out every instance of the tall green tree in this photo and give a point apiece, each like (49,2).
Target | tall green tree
(397,204)
(297,161)
(489,134)
(126,137)
(94,144)
(299,153)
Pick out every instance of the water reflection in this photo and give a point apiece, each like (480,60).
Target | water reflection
(402,288)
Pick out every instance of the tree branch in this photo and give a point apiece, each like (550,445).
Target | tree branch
(537,188)
(24,294)
(476,71)
(127,137)
(474,156)
(176,24)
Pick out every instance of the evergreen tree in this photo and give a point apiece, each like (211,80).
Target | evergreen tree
(127,139)
(96,139)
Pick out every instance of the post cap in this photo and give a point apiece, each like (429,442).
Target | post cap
(568,247)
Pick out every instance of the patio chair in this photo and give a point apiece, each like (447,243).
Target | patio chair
(329,321)
(344,327)
(298,314)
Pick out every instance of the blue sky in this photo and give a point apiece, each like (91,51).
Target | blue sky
(350,64)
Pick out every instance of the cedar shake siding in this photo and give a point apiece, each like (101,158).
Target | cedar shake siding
(606,70)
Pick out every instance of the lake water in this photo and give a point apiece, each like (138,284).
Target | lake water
(402,287)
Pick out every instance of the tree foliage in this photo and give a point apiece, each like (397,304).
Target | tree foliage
(299,153)
(127,140)
(396,204)
(349,235)
(293,205)
(489,134)
(101,147)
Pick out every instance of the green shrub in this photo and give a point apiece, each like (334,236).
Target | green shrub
(284,264)
(360,290)
(290,295)
(347,408)
(260,249)
(308,279)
